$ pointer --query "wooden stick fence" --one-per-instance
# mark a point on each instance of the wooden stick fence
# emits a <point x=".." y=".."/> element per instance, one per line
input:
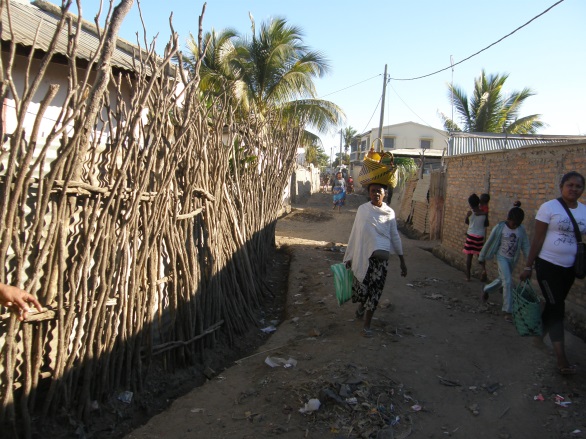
<point x="143" y="238"/>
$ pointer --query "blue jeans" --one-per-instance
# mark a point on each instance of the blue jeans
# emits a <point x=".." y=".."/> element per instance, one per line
<point x="505" y="266"/>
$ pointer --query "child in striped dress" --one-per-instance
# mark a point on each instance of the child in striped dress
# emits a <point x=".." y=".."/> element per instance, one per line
<point x="477" y="222"/>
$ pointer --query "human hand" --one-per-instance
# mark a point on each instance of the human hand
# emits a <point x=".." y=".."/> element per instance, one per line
<point x="348" y="265"/>
<point x="403" y="269"/>
<point x="17" y="300"/>
<point x="469" y="214"/>
<point x="525" y="274"/>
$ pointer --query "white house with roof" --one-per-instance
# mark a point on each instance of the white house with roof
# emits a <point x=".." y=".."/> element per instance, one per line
<point x="30" y="27"/>
<point x="407" y="139"/>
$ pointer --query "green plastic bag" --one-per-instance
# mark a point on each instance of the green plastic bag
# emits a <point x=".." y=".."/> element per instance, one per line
<point x="526" y="310"/>
<point x="343" y="278"/>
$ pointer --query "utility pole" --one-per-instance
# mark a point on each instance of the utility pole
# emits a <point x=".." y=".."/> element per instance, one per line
<point x="341" y="147"/>
<point x="382" y="109"/>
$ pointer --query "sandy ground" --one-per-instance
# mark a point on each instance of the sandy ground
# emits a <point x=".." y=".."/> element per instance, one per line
<point x="440" y="364"/>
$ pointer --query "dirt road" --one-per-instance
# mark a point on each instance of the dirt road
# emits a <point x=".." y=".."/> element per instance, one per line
<point x="440" y="364"/>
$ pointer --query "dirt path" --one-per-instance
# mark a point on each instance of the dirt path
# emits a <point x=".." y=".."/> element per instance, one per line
<point x="441" y="364"/>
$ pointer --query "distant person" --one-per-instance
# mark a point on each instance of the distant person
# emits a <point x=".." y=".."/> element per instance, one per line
<point x="506" y="242"/>
<point x="17" y="300"/>
<point x="552" y="253"/>
<point x="339" y="191"/>
<point x="374" y="237"/>
<point x="477" y="223"/>
<point x="350" y="185"/>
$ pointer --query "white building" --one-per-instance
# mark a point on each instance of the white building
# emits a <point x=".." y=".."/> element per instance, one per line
<point x="407" y="139"/>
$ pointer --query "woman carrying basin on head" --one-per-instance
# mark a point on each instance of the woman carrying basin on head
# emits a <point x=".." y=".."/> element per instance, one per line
<point x="374" y="237"/>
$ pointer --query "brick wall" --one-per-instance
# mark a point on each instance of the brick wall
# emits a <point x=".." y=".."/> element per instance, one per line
<point x="529" y="174"/>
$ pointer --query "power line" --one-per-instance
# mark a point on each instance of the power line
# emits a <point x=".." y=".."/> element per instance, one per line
<point x="350" y="86"/>
<point x="481" y="50"/>
<point x="375" y="108"/>
<point x="412" y="111"/>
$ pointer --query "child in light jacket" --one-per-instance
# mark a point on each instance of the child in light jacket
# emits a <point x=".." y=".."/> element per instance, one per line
<point x="506" y="241"/>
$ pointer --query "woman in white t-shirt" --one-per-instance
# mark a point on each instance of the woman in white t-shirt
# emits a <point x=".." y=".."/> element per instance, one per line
<point x="553" y="250"/>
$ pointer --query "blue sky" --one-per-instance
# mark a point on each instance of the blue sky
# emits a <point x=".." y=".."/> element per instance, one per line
<point x="413" y="38"/>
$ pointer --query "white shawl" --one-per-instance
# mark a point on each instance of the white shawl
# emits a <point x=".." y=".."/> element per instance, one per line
<point x="375" y="228"/>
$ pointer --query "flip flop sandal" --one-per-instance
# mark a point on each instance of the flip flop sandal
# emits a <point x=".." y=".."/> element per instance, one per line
<point x="366" y="333"/>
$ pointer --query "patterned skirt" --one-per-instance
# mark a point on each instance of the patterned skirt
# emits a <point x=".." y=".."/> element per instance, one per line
<point x="368" y="291"/>
<point x="339" y="196"/>
<point x="473" y="244"/>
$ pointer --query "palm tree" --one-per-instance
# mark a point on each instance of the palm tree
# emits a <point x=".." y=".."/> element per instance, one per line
<point x="348" y="134"/>
<point x="489" y="110"/>
<point x="270" y="73"/>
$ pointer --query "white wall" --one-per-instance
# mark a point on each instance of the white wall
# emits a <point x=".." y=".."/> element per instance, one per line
<point x="57" y="74"/>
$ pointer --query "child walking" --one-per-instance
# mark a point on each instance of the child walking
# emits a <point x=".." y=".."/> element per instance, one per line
<point x="506" y="241"/>
<point x="477" y="223"/>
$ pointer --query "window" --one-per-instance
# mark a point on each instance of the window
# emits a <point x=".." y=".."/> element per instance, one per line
<point x="363" y="145"/>
<point x="389" y="143"/>
<point x="425" y="143"/>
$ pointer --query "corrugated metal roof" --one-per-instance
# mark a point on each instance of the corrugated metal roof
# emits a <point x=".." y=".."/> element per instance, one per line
<point x="416" y="152"/>
<point x="470" y="143"/>
<point x="27" y="18"/>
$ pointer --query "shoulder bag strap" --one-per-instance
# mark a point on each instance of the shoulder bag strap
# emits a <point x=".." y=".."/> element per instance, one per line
<point x="574" y="223"/>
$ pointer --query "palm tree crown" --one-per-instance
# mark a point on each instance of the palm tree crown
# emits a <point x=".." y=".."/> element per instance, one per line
<point x="489" y="110"/>
<point x="271" y="71"/>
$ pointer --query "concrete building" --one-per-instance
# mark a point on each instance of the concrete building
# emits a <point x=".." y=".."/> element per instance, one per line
<point x="407" y="139"/>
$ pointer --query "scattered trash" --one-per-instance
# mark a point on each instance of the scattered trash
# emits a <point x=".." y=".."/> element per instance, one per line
<point x="327" y="394"/>
<point x="416" y="408"/>
<point x="560" y="400"/>
<point x="269" y="329"/>
<point x="576" y="431"/>
<point x="125" y="397"/>
<point x="310" y="406"/>
<point x="474" y="408"/>
<point x="493" y="387"/>
<point x="295" y="320"/>
<point x="345" y="391"/>
<point x="276" y="362"/>
<point x="95" y="405"/>
<point x="539" y="397"/>
<point x="410" y="285"/>
<point x="321" y="273"/>
<point x="352" y="401"/>
<point x="434" y="296"/>
<point x="447" y="382"/>
<point x="197" y="410"/>
<point x="209" y="373"/>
